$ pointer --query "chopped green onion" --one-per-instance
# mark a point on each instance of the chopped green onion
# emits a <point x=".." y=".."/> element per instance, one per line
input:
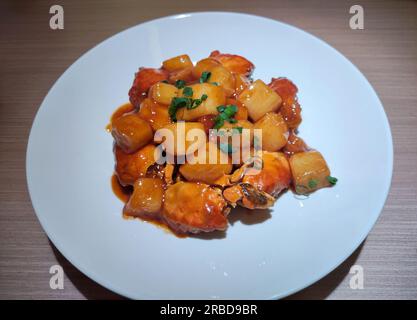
<point x="195" y="104"/>
<point x="332" y="180"/>
<point x="225" y="114"/>
<point x="205" y="76"/>
<point x="180" y="84"/>
<point x="312" y="183"/>
<point x="184" y="102"/>
<point x="218" y="123"/>
<point x="230" y="110"/>
<point x="177" y="103"/>
<point x="221" y="108"/>
<point x="187" y="91"/>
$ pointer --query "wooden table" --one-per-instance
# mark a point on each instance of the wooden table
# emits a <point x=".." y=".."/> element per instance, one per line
<point x="32" y="57"/>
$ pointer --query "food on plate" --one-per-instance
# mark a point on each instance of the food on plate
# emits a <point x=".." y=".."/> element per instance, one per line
<point x="146" y="199"/>
<point x="199" y="139"/>
<point x="194" y="207"/>
<point x="310" y="171"/>
<point x="131" y="132"/>
<point x="130" y="166"/>
<point x="274" y="131"/>
<point x="259" y="99"/>
<point x="207" y="172"/>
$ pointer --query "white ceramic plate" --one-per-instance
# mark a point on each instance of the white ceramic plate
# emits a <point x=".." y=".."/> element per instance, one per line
<point x="70" y="162"/>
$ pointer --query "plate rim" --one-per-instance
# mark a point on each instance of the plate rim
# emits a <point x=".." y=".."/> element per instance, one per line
<point x="120" y="291"/>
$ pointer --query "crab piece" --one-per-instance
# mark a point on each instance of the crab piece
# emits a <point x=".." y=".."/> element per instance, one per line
<point x="194" y="207"/>
<point x="256" y="187"/>
<point x="223" y="181"/>
<point x="234" y="63"/>
<point x="129" y="167"/>
<point x="275" y="175"/>
<point x="285" y="88"/>
<point x="144" y="79"/>
<point x="290" y="108"/>
<point x="291" y="112"/>
<point x="156" y="170"/>
<point x="248" y="196"/>
<point x="294" y="144"/>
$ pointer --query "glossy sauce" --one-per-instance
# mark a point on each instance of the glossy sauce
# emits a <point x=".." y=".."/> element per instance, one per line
<point x="294" y="145"/>
<point x="123" y="194"/>
<point x="198" y="196"/>
<point x="124" y="108"/>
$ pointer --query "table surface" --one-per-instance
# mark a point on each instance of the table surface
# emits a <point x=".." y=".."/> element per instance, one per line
<point x="32" y="57"/>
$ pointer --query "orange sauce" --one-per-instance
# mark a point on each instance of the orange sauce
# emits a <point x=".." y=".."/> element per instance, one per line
<point x="124" y="108"/>
<point x="159" y="223"/>
<point x="123" y="194"/>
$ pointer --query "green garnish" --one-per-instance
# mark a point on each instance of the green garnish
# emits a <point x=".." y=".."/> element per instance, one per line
<point x="332" y="180"/>
<point x="225" y="114"/>
<point x="180" y="84"/>
<point x="230" y="110"/>
<point x="215" y="83"/>
<point x="195" y="103"/>
<point x="205" y="76"/>
<point x="180" y="102"/>
<point x="177" y="103"/>
<point x="221" y="108"/>
<point x="184" y="102"/>
<point x="187" y="91"/>
<point x="218" y="124"/>
<point x="238" y="129"/>
<point x="312" y="183"/>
